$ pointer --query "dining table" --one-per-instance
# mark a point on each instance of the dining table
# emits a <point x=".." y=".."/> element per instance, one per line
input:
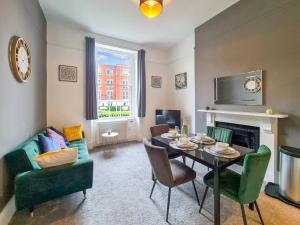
<point x="217" y="164"/>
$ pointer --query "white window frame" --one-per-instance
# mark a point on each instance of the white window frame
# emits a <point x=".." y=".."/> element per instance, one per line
<point x="133" y="80"/>
<point x="111" y="95"/>
<point x="127" y="95"/>
<point x="126" y="74"/>
<point x="109" y="84"/>
<point x="108" y="74"/>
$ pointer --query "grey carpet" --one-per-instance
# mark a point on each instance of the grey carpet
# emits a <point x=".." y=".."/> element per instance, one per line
<point x="120" y="196"/>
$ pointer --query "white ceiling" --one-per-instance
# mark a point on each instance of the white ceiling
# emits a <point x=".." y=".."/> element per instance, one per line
<point x="122" y="19"/>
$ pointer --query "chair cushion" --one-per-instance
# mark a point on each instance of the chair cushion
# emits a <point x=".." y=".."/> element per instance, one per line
<point x="181" y="173"/>
<point x="229" y="183"/>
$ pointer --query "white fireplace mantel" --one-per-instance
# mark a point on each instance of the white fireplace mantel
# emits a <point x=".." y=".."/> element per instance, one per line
<point x="268" y="125"/>
<point x="255" y="114"/>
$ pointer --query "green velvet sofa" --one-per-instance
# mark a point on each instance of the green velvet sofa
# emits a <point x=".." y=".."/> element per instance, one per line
<point x="34" y="185"/>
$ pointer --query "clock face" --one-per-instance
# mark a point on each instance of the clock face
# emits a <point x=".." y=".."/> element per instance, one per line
<point x="20" y="59"/>
<point x="250" y="84"/>
<point x="23" y="60"/>
<point x="253" y="84"/>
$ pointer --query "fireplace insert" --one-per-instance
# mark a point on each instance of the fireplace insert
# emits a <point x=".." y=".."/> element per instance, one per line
<point x="246" y="136"/>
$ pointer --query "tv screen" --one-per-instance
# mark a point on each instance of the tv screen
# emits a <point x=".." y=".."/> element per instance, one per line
<point x="170" y="117"/>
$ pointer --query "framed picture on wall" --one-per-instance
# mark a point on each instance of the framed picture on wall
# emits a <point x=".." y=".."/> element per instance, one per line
<point x="156" y="81"/>
<point x="67" y="73"/>
<point x="181" y="81"/>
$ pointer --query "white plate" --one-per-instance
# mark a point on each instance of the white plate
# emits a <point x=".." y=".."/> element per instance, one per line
<point x="228" y="151"/>
<point x="168" y="136"/>
<point x="211" y="141"/>
<point x="175" y="144"/>
<point x="233" y="153"/>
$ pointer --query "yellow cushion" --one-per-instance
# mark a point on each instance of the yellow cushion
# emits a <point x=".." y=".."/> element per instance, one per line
<point x="73" y="133"/>
<point x="57" y="158"/>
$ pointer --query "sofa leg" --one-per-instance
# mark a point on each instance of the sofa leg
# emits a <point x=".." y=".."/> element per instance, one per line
<point x="84" y="193"/>
<point x="31" y="212"/>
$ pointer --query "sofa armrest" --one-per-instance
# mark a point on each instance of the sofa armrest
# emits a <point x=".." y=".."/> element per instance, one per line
<point x="37" y="186"/>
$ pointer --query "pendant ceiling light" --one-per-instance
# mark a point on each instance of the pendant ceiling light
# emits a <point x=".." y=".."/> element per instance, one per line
<point x="151" y="8"/>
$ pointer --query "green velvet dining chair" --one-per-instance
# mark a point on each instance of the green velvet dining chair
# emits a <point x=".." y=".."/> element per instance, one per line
<point x="243" y="188"/>
<point x="219" y="134"/>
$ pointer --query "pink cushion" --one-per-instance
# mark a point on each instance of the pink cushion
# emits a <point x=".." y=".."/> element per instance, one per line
<point x="59" y="138"/>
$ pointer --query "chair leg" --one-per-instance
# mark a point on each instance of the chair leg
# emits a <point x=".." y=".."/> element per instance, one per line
<point x="258" y="211"/>
<point x="31" y="212"/>
<point x="196" y="192"/>
<point x="243" y="214"/>
<point x="169" y="196"/>
<point x="84" y="193"/>
<point x="251" y="206"/>
<point x="154" y="183"/>
<point x="203" y="199"/>
<point x="153" y="177"/>
<point x="193" y="164"/>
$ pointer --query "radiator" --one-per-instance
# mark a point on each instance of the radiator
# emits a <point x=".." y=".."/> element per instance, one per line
<point x="127" y="130"/>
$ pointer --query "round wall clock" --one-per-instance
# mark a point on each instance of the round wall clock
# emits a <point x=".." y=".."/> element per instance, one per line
<point x="253" y="84"/>
<point x="20" y="59"/>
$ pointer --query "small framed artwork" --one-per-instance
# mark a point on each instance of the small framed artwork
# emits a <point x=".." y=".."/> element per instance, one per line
<point x="181" y="81"/>
<point x="67" y="73"/>
<point x="156" y="81"/>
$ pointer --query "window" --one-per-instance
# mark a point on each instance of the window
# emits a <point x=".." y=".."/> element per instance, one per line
<point x="109" y="95"/>
<point x="118" y="99"/>
<point x="124" y="95"/>
<point x="124" y="84"/>
<point x="99" y="83"/>
<point x="109" y="83"/>
<point x="109" y="72"/>
<point x="125" y="72"/>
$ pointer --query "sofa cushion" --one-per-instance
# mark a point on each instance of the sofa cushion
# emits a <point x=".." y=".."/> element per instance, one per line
<point x="57" y="158"/>
<point x="61" y="134"/>
<point x="73" y="133"/>
<point x="31" y="148"/>
<point x="82" y="148"/>
<point x="21" y="159"/>
<point x="49" y="143"/>
<point x="51" y="133"/>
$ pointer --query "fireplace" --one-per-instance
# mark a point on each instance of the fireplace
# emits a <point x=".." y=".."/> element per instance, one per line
<point x="243" y="135"/>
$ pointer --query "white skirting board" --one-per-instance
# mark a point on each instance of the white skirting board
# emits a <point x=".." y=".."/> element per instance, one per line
<point x="8" y="211"/>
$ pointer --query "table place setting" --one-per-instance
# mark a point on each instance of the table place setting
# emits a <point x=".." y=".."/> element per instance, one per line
<point x="184" y="144"/>
<point x="172" y="134"/>
<point x="202" y="138"/>
<point x="222" y="150"/>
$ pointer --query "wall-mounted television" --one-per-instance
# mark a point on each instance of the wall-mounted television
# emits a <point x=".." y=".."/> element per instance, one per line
<point x="240" y="89"/>
<point x="170" y="117"/>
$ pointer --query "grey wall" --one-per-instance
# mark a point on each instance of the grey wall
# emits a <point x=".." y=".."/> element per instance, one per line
<point x="23" y="106"/>
<point x="250" y="35"/>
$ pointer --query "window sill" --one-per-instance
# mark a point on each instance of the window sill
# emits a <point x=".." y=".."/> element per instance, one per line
<point x="109" y="120"/>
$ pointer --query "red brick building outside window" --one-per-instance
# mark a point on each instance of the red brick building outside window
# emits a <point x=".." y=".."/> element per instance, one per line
<point x="114" y="90"/>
